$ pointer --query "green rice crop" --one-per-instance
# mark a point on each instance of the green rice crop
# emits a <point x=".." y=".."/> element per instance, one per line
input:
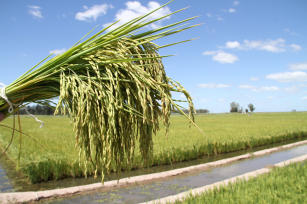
<point x="282" y="185"/>
<point x="53" y="155"/>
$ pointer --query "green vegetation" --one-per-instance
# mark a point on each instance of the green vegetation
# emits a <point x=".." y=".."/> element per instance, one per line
<point x="54" y="155"/>
<point x="114" y="87"/>
<point x="282" y="185"/>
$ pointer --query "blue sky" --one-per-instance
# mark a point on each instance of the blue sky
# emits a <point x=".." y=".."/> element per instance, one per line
<point x="247" y="51"/>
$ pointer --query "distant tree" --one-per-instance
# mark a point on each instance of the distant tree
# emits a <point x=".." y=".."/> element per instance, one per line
<point x="246" y="110"/>
<point x="251" y="107"/>
<point x="234" y="107"/>
<point x="30" y="109"/>
<point x="202" y="111"/>
<point x="186" y="111"/>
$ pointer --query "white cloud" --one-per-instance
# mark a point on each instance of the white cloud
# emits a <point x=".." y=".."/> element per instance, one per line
<point x="278" y="45"/>
<point x="222" y="57"/>
<point x="268" y="45"/>
<point x="254" y="78"/>
<point x="231" y="10"/>
<point x="236" y="3"/>
<point x="57" y="51"/>
<point x="35" y="11"/>
<point x="135" y="9"/>
<point x="225" y="58"/>
<point x="232" y="44"/>
<point x="299" y="66"/>
<point x="268" y="88"/>
<point x="304" y="98"/>
<point x="213" y="85"/>
<point x="93" y="12"/>
<point x="288" y="76"/>
<point x="259" y="89"/>
<point x="295" y="47"/>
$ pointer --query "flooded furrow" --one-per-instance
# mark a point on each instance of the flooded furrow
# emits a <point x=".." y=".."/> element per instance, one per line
<point x="177" y="184"/>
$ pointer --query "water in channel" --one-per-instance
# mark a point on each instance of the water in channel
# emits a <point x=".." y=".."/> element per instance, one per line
<point x="12" y="180"/>
<point x="177" y="184"/>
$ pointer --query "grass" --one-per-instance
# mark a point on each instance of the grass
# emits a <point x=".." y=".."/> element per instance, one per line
<point x="282" y="185"/>
<point x="54" y="155"/>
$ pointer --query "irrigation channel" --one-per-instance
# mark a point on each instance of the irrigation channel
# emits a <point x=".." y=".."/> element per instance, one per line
<point x="158" y="188"/>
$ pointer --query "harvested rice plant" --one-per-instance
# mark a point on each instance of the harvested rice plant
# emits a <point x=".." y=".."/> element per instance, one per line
<point x="113" y="86"/>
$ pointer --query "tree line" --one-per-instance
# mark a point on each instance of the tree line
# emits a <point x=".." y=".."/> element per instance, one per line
<point x="37" y="110"/>
<point x="197" y="111"/>
<point x="47" y="110"/>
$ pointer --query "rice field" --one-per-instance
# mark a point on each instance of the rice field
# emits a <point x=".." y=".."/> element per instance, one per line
<point x="49" y="153"/>
<point x="282" y="185"/>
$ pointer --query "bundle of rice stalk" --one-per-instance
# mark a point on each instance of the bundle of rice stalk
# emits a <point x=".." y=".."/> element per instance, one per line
<point x="113" y="86"/>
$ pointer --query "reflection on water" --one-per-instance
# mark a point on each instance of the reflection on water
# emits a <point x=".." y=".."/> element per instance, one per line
<point x="5" y="184"/>
<point x="10" y="179"/>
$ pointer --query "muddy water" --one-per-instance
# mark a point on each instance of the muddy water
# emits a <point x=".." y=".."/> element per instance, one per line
<point x="177" y="184"/>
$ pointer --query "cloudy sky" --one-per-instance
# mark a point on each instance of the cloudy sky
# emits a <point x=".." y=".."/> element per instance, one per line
<point x="246" y="51"/>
